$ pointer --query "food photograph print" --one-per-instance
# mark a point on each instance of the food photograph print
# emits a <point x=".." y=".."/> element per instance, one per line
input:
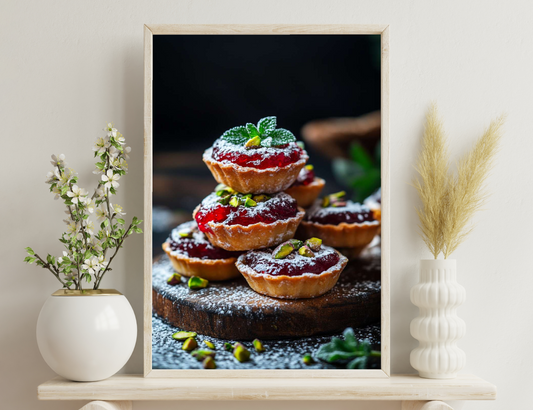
<point x="266" y="202"/>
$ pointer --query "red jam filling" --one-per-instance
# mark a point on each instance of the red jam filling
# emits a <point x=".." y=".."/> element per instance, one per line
<point x="260" y="158"/>
<point x="196" y="246"/>
<point x="305" y="177"/>
<point x="350" y="213"/>
<point x="279" y="207"/>
<point x="264" y="263"/>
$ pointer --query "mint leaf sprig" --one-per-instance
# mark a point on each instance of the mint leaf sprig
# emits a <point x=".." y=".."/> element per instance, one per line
<point x="350" y="352"/>
<point x="264" y="134"/>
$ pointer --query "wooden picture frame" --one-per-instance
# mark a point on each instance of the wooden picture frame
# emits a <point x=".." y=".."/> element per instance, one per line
<point x="152" y="30"/>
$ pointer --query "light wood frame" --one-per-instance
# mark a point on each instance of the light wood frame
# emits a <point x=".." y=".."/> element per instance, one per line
<point x="274" y="29"/>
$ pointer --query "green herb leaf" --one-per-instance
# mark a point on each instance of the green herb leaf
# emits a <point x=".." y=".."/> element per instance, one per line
<point x="266" y="125"/>
<point x="281" y="136"/>
<point x="252" y="130"/>
<point x="351" y="352"/>
<point x="236" y="135"/>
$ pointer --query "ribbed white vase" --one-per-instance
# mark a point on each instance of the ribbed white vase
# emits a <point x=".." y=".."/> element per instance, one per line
<point x="437" y="327"/>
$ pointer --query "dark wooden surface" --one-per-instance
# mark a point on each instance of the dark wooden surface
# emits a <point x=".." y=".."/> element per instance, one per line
<point x="233" y="311"/>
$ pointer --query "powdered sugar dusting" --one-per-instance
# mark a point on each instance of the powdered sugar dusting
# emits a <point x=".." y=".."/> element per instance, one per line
<point x="353" y="212"/>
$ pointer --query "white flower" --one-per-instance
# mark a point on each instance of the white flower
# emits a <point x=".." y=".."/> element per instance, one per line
<point x="58" y="161"/>
<point x="90" y="205"/>
<point x="91" y="265"/>
<point x="111" y="132"/>
<point x="126" y="151"/>
<point x="72" y="227"/>
<point x="101" y="145"/>
<point x="52" y="176"/>
<point x="101" y="214"/>
<point x="120" y="139"/>
<point x="95" y="244"/>
<point x="77" y="194"/>
<point x="111" y="179"/>
<point x="89" y="228"/>
<point x="57" y="191"/>
<point x="66" y="176"/>
<point x="113" y="152"/>
<point x="64" y="257"/>
<point x="101" y="260"/>
<point x="119" y="163"/>
<point x="100" y="193"/>
<point x="117" y="209"/>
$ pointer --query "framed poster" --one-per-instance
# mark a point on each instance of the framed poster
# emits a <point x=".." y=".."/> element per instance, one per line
<point x="266" y="201"/>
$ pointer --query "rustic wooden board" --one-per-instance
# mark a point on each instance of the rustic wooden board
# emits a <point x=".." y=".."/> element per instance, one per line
<point x="232" y="310"/>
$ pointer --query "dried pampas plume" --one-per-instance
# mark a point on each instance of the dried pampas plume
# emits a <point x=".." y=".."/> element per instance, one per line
<point x="449" y="201"/>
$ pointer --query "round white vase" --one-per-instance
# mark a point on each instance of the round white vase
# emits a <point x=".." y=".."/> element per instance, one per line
<point x="86" y="335"/>
<point x="437" y="327"/>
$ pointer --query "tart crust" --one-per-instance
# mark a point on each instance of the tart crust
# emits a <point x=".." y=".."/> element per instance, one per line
<point x="252" y="180"/>
<point x="259" y="235"/>
<point x="210" y="269"/>
<point x="343" y="235"/>
<point x="305" y="195"/>
<point x="292" y="287"/>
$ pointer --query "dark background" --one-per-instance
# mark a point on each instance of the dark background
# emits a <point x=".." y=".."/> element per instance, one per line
<point x="206" y="84"/>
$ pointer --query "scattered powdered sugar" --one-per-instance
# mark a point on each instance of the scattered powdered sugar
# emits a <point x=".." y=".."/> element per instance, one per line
<point x="353" y="212"/>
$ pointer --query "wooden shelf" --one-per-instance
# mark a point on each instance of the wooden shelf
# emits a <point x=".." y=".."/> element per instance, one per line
<point x="397" y="387"/>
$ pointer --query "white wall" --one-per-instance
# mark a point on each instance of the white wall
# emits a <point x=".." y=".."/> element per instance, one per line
<point x="67" y="67"/>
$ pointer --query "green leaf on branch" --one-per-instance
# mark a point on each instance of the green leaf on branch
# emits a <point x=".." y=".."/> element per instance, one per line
<point x="121" y="221"/>
<point x="30" y="251"/>
<point x="112" y="190"/>
<point x="100" y="165"/>
<point x="138" y="230"/>
<point x="29" y="259"/>
<point x="88" y="278"/>
<point x="136" y="221"/>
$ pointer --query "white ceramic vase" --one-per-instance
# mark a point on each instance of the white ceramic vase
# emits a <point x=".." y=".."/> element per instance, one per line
<point x="87" y="335"/>
<point x="437" y="327"/>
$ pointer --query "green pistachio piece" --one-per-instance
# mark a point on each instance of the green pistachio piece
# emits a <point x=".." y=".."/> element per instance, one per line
<point x="234" y="201"/>
<point x="258" y="346"/>
<point x="300" y="144"/>
<point x="174" y="279"/>
<point x="185" y="234"/>
<point x="325" y="202"/>
<point x="260" y="198"/>
<point x="296" y="243"/>
<point x="183" y="335"/>
<point x="209" y="344"/>
<point x="305" y="251"/>
<point x="283" y="250"/>
<point x="247" y="196"/>
<point x="224" y="200"/>
<point x="308" y="360"/>
<point x="202" y="354"/>
<point x="190" y="344"/>
<point x="241" y="353"/>
<point x="309" y="167"/>
<point x="340" y="194"/>
<point x="197" y="283"/>
<point x="250" y="202"/>
<point x="338" y="204"/>
<point x="221" y="187"/>
<point x="253" y="142"/>
<point x="313" y="244"/>
<point x="228" y="347"/>
<point x="209" y="363"/>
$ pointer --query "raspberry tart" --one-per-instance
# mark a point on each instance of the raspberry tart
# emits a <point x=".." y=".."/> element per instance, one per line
<point x="340" y="223"/>
<point x="192" y="254"/>
<point x="238" y="222"/>
<point x="258" y="159"/>
<point x="306" y="188"/>
<point x="293" y="270"/>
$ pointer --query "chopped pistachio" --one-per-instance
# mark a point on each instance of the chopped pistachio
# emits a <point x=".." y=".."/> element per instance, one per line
<point x="209" y="363"/>
<point x="247" y="196"/>
<point x="309" y="167"/>
<point x="196" y="282"/>
<point x="260" y="198"/>
<point x="325" y="202"/>
<point x="185" y="234"/>
<point x="338" y="204"/>
<point x="224" y="200"/>
<point x="174" y="279"/>
<point x="241" y="353"/>
<point x="340" y="194"/>
<point x="308" y="360"/>
<point x="258" y="346"/>
<point x="296" y="243"/>
<point x="221" y="187"/>
<point x="202" y="354"/>
<point x="314" y="244"/>
<point x="183" y="335"/>
<point x="234" y="201"/>
<point x="209" y="344"/>
<point x="305" y="251"/>
<point x="253" y="142"/>
<point x="250" y="202"/>
<point x="283" y="250"/>
<point x="228" y="347"/>
<point x="190" y="344"/>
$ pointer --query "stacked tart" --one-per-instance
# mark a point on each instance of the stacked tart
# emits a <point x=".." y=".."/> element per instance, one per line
<point x="248" y="224"/>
